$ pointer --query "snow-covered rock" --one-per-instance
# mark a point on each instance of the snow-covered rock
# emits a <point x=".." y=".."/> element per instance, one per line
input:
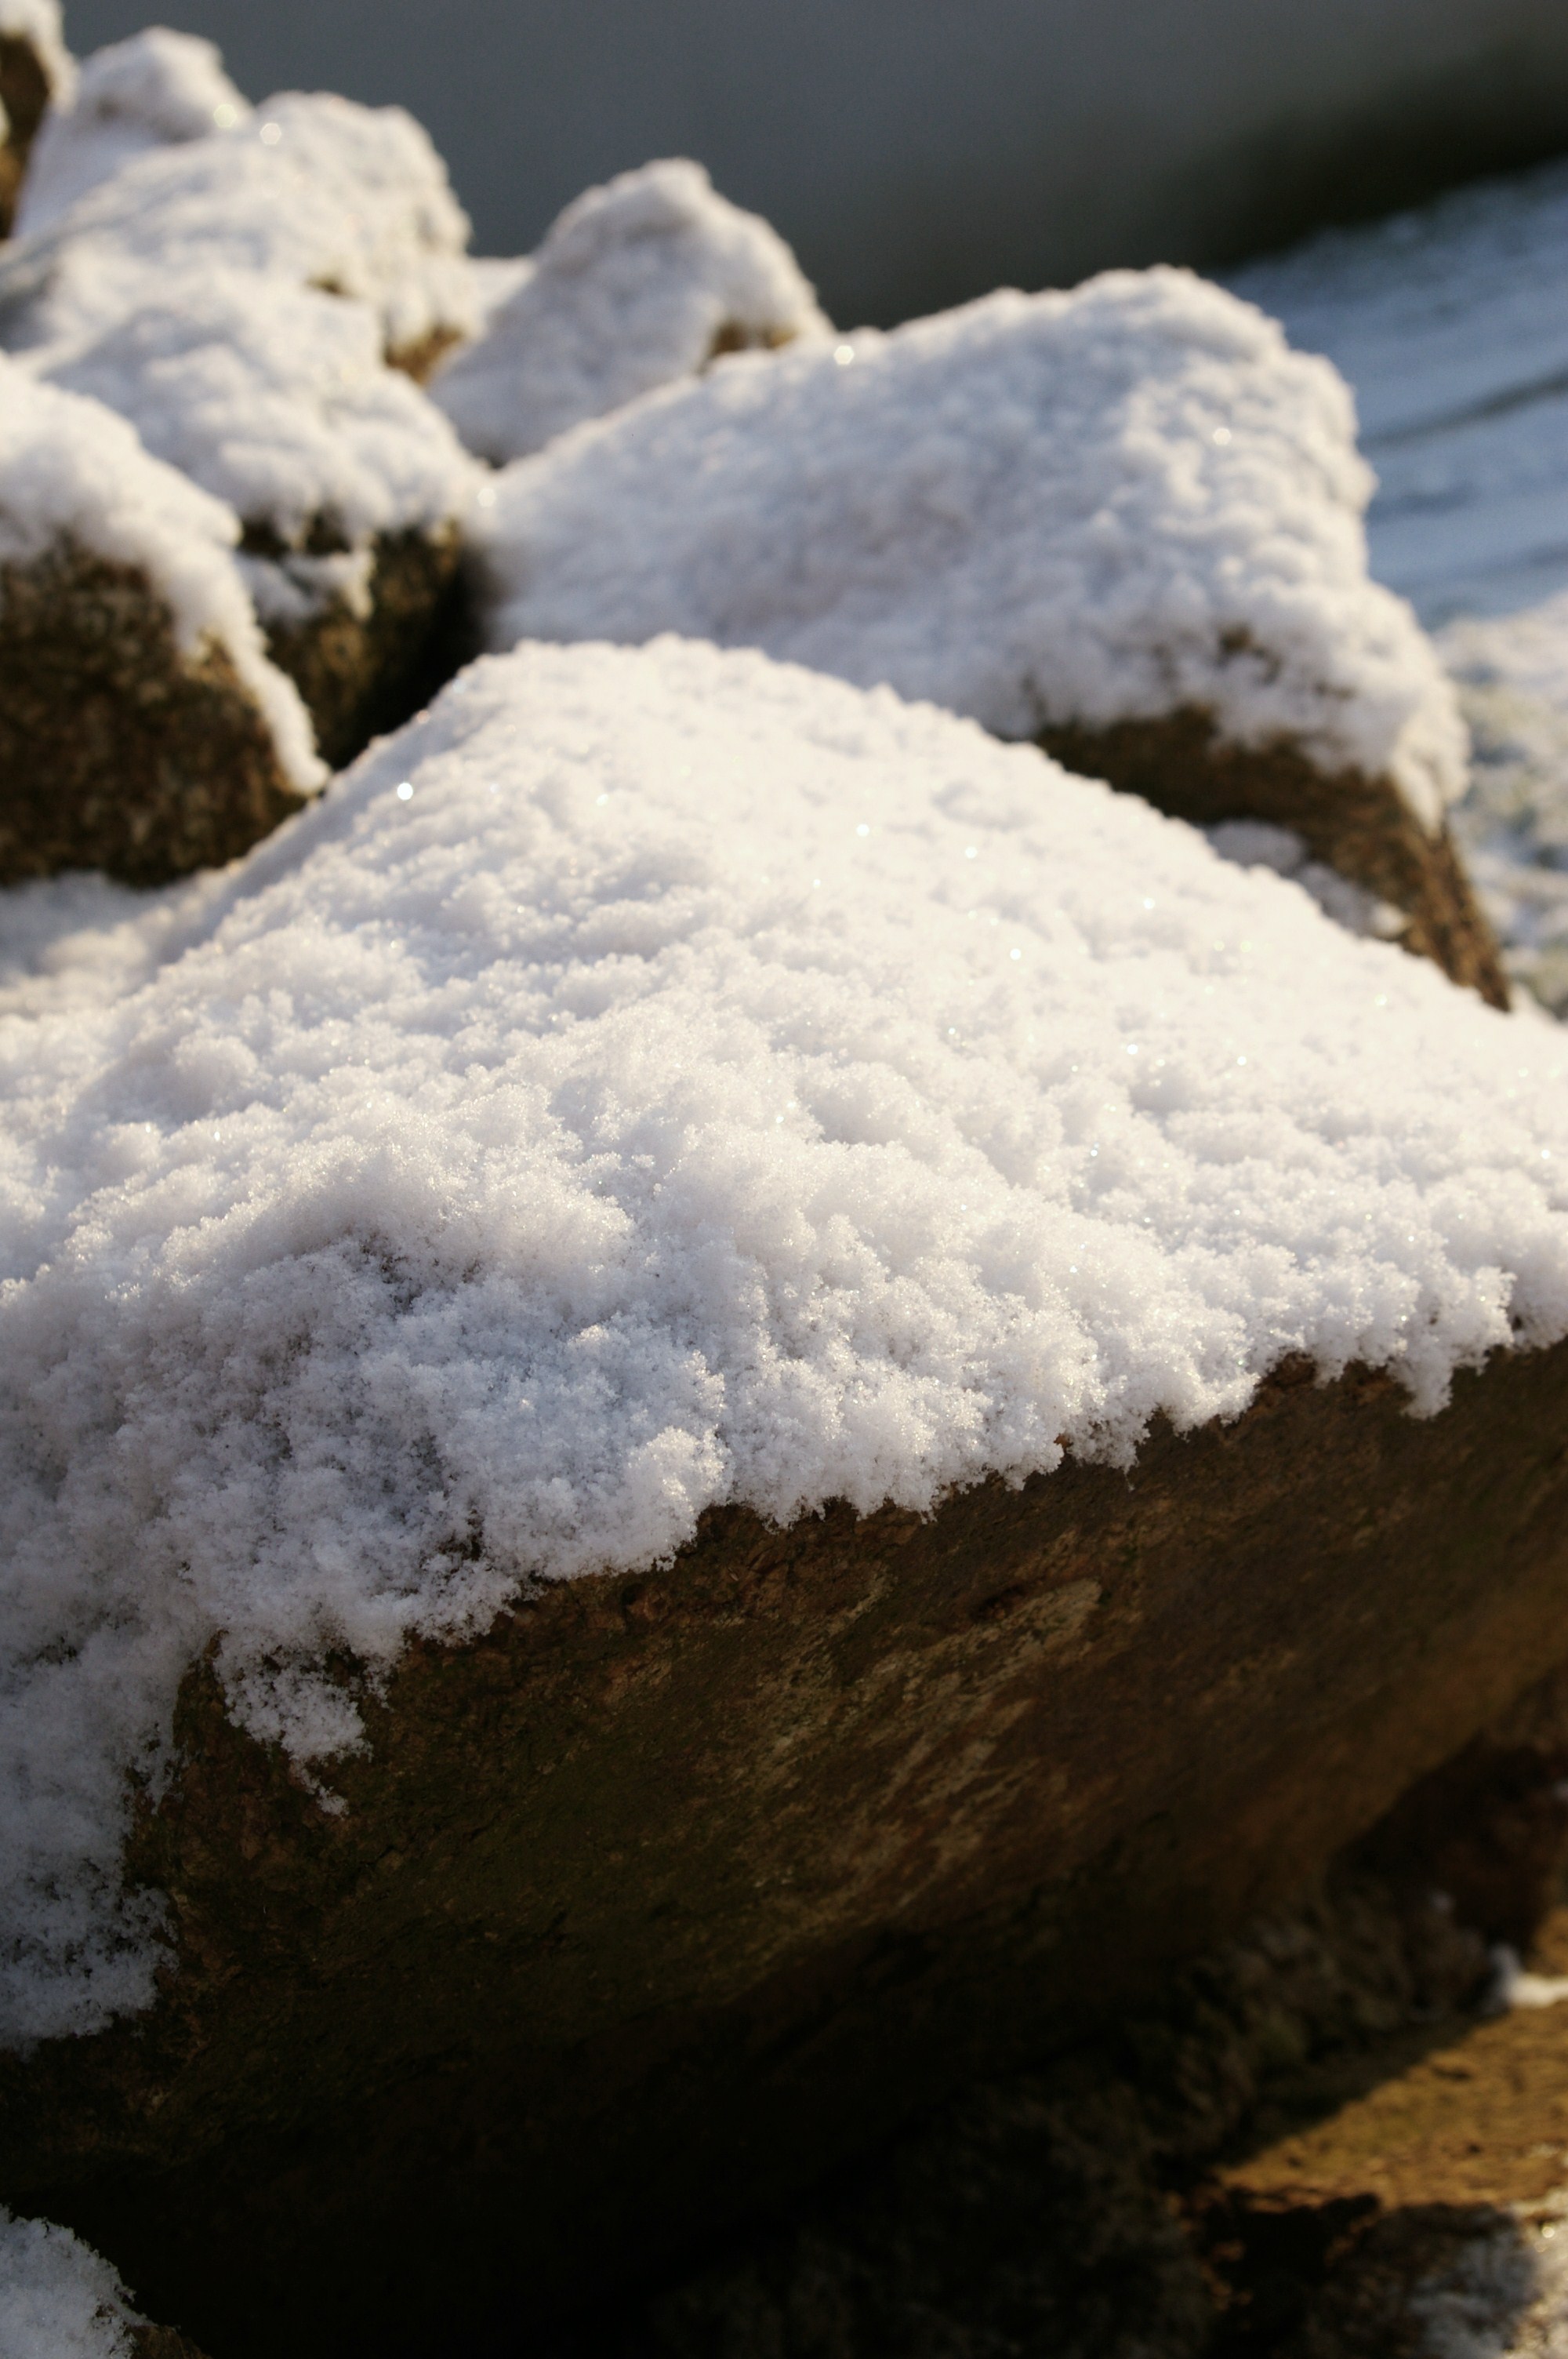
<point x="144" y="728"/>
<point x="660" y="1079"/>
<point x="639" y="283"/>
<point x="1083" y="508"/>
<point x="233" y="294"/>
<point x="156" y="90"/>
<point x="349" y="485"/>
<point x="312" y="189"/>
<point x="1125" y="520"/>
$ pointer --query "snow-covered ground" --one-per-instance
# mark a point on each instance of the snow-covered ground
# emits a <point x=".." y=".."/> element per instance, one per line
<point x="1452" y="327"/>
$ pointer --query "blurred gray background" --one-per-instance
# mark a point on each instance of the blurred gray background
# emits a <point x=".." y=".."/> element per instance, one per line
<point x="918" y="151"/>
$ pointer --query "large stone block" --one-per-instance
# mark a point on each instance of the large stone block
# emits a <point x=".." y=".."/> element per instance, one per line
<point x="666" y="1891"/>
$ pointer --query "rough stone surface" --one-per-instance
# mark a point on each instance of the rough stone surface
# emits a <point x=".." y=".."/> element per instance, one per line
<point x="364" y="667"/>
<point x="24" y="94"/>
<point x="1361" y="827"/>
<point x="1096" y="2205"/>
<point x="647" y="1905"/>
<point x="116" y="751"/>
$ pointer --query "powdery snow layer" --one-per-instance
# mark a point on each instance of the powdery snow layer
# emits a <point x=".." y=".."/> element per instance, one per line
<point x="1092" y="507"/>
<point x="72" y="472"/>
<point x="638" y="283"/>
<point x="1452" y="325"/>
<point x="315" y="190"/>
<point x="275" y="398"/>
<point x="659" y="1078"/>
<point x="156" y="90"/>
<point x="58" y="2299"/>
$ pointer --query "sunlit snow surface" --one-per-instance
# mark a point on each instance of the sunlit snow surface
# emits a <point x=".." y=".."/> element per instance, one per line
<point x="659" y="1078"/>
<point x="1452" y="327"/>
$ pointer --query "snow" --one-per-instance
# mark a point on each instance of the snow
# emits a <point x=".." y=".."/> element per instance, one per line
<point x="638" y="284"/>
<point x="1086" y="508"/>
<point x="1452" y="325"/>
<point x="39" y="23"/>
<point x="656" y="1079"/>
<point x="312" y="189"/>
<point x="70" y="472"/>
<point x="154" y="91"/>
<point x="58" y="2299"/>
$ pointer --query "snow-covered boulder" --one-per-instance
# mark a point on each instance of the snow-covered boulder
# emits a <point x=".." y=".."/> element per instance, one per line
<point x="577" y="1331"/>
<point x="232" y="293"/>
<point x="143" y="729"/>
<point x="312" y="189"/>
<point x="347" y="484"/>
<point x="1126" y="521"/>
<point x="638" y="284"/>
<point x="34" y="68"/>
<point x="156" y="90"/>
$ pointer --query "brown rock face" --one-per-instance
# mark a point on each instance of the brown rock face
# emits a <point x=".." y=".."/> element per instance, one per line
<point x="362" y="673"/>
<point x="24" y="94"/>
<point x="116" y="751"/>
<point x="1362" y="827"/>
<point x="666" y="1891"/>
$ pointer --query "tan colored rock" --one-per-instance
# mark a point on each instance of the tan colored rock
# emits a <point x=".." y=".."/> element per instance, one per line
<point x="667" y="1891"/>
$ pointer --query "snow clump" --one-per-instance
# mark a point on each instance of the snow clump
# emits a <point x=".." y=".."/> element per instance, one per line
<point x="638" y="283"/>
<point x="1087" y="508"/>
<point x="155" y="90"/>
<point x="658" y="1078"/>
<point x="72" y="475"/>
<point x="57" y="2299"/>
<point x="312" y="189"/>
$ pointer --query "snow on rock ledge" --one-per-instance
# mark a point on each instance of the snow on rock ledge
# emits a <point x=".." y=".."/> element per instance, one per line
<point x="658" y="1079"/>
<point x="157" y="90"/>
<point x="638" y="283"/>
<point x="142" y="727"/>
<point x="1127" y="518"/>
